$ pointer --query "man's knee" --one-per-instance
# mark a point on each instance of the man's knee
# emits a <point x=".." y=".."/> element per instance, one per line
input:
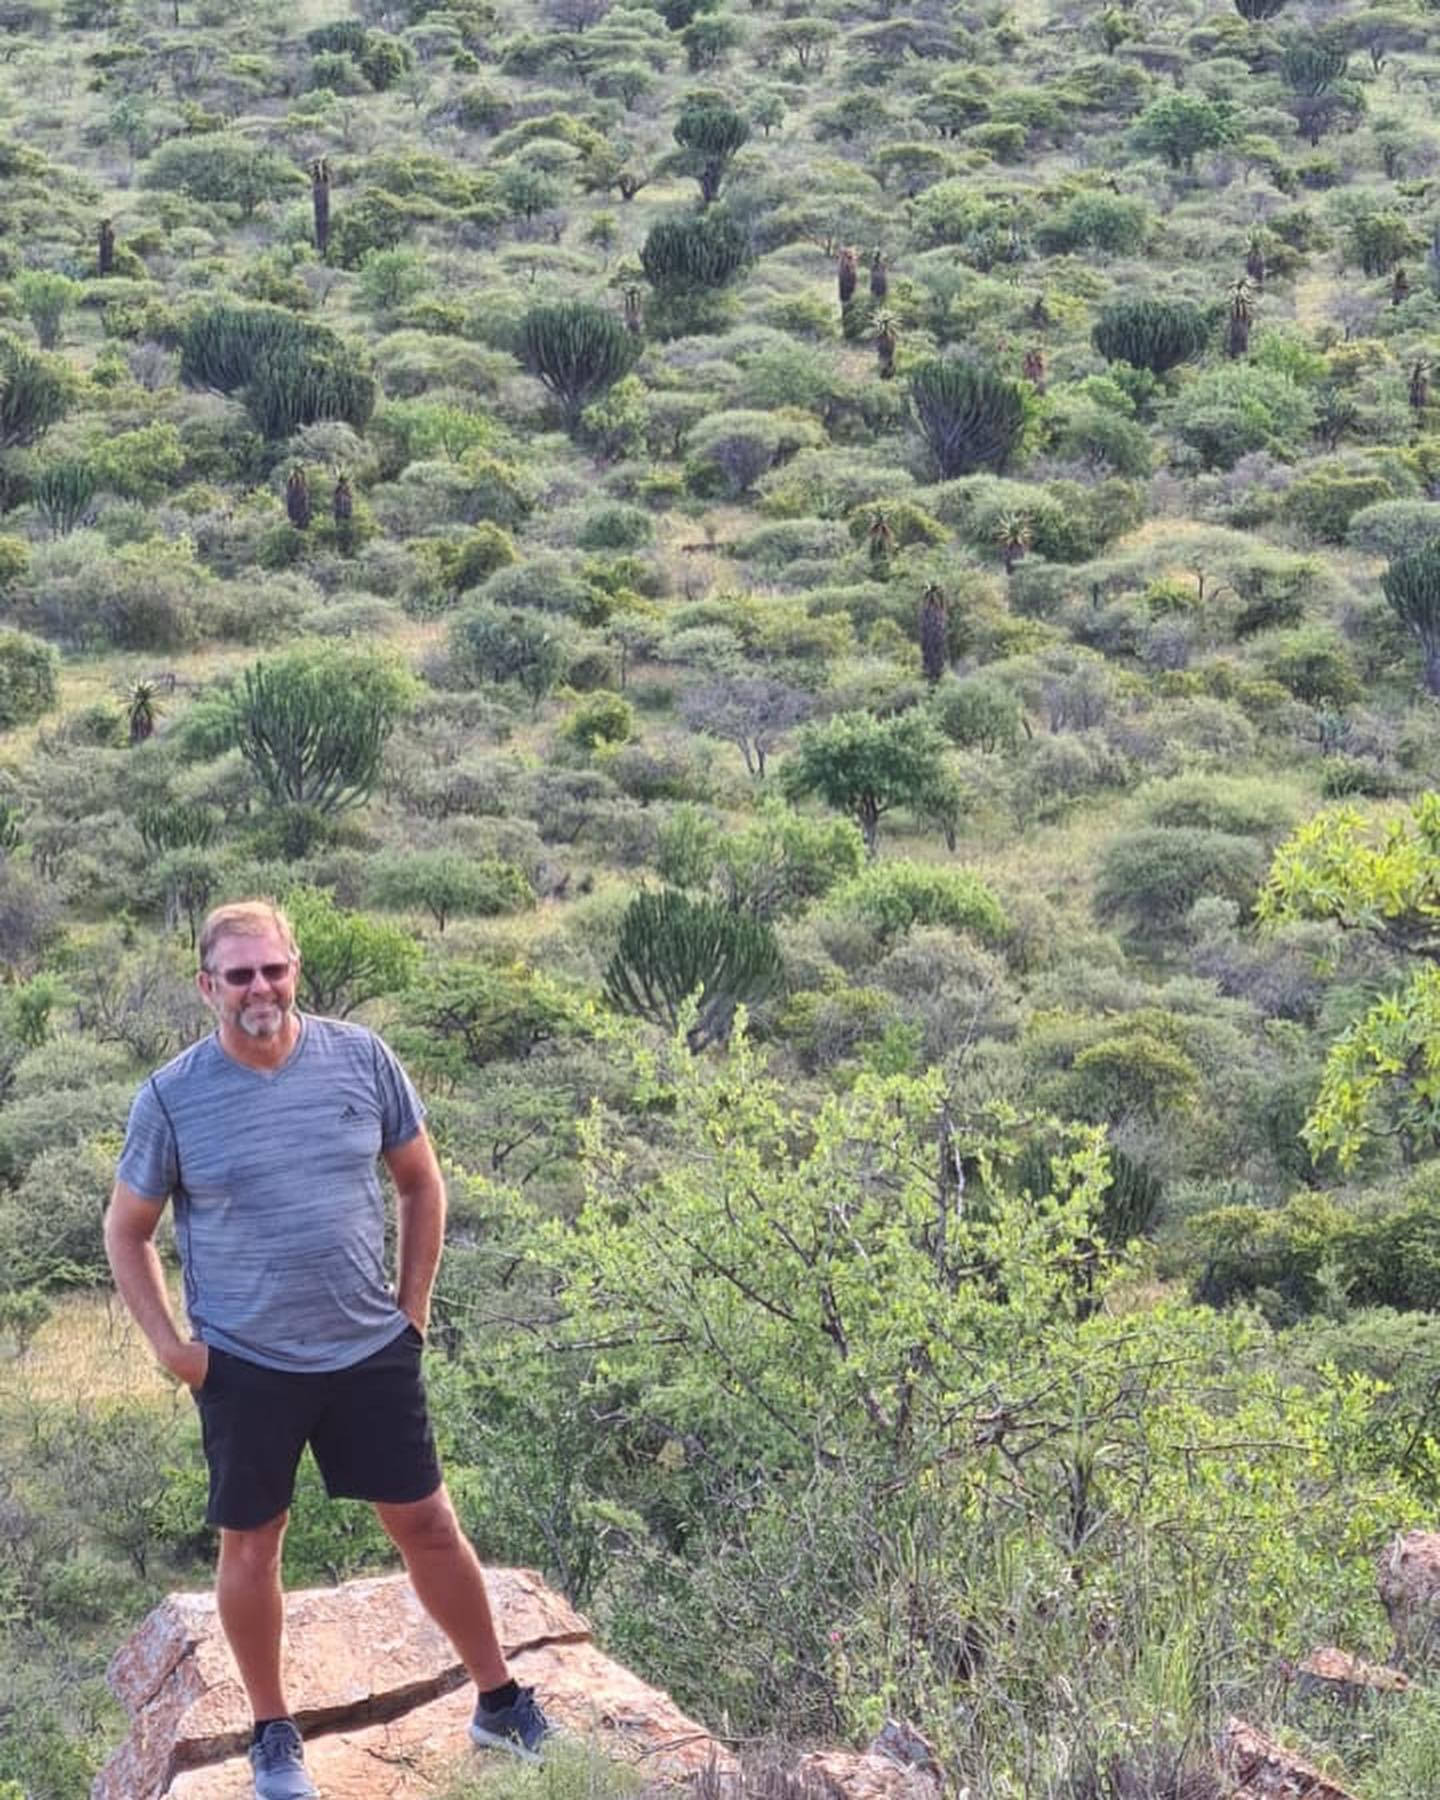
<point x="420" y="1526"/>
<point x="254" y="1551"/>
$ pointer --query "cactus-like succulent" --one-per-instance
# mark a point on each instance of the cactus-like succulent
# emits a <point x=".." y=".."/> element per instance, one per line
<point x="578" y="351"/>
<point x="320" y="202"/>
<point x="105" y="260"/>
<point x="1150" y="334"/>
<point x="934" y="633"/>
<point x="887" y="339"/>
<point x="847" y="271"/>
<point x="879" y="277"/>
<point x="297" y="499"/>
<point x="970" y="415"/>
<point x="1240" y="316"/>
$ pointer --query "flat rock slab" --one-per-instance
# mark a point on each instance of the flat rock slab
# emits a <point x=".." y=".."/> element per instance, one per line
<point x="356" y="1656"/>
<point x="1266" y="1770"/>
<point x="584" y="1693"/>
<point x="867" y="1777"/>
<point x="1346" y="1677"/>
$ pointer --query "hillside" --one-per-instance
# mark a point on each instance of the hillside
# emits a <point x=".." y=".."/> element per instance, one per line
<point x="914" y="527"/>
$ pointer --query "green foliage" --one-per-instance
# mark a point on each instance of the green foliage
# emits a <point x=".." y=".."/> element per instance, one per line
<point x="448" y="885"/>
<point x="29" y="684"/>
<point x="1113" y="223"/>
<point x="489" y="643"/>
<point x="221" y="169"/>
<point x="312" y="724"/>
<point x="673" y="950"/>
<point x="35" y="392"/>
<point x="1150" y="878"/>
<point x="1233" y="409"/>
<point x="600" y="719"/>
<point x="61" y="493"/>
<point x="1314" y="665"/>
<point x="45" y="297"/>
<point x="978" y="713"/>
<point x="892" y="897"/>
<point x="1393" y="528"/>
<point x="709" y="131"/>
<point x="970" y="416"/>
<point x="1325" y="499"/>
<point x="291" y="371"/>
<point x="578" y="351"/>
<point x="865" y="767"/>
<point x="683" y="255"/>
<point x="1411" y="585"/>
<point x="1151" y="334"/>
<point x="1182" y="126"/>
<point x="347" y="958"/>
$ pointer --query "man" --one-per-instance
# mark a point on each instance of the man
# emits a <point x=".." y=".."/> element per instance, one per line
<point x="265" y="1136"/>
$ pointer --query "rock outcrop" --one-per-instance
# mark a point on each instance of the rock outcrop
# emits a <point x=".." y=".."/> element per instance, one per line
<point x="1409" y="1577"/>
<point x="1266" y="1770"/>
<point x="378" y="1693"/>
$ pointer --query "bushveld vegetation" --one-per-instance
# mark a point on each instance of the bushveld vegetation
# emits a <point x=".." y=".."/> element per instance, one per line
<point x="830" y="615"/>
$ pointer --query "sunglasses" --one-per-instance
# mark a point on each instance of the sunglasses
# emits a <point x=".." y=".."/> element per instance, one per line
<point x="242" y="977"/>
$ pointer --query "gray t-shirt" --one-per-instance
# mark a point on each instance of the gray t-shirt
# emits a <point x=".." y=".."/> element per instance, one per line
<point x="279" y="1217"/>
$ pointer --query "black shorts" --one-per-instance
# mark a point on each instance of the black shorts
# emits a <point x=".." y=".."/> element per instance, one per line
<point x="366" y="1425"/>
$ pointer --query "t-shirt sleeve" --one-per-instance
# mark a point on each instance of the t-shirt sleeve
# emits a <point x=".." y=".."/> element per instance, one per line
<point x="148" y="1162"/>
<point x="402" y="1112"/>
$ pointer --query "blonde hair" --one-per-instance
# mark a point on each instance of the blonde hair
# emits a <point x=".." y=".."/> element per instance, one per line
<point x="243" y="918"/>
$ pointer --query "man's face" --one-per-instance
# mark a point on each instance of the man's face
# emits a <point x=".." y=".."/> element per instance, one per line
<point x="249" y="983"/>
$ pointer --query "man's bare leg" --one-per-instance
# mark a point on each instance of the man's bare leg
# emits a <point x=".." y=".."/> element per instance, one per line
<point x="252" y="1611"/>
<point x="445" y="1573"/>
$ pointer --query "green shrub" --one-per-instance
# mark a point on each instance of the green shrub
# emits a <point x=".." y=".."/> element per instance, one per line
<point x="1314" y="665"/>
<point x="220" y="168"/>
<point x="616" y="528"/>
<point x="600" y="718"/>
<point x="1243" y="806"/>
<point x="449" y="885"/>
<point x="977" y="713"/>
<point x="1149" y="879"/>
<point x="1393" y="528"/>
<point x="1113" y="223"/>
<point x="890" y="897"/>
<point x="28" y="678"/>
<point x="1327" y="497"/>
<point x="1228" y="411"/>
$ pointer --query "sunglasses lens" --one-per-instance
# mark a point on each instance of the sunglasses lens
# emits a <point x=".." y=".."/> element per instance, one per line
<point x="241" y="978"/>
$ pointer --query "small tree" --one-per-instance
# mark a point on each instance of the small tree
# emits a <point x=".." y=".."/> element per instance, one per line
<point x="753" y="712"/>
<point x="490" y="643"/>
<point x="709" y="132"/>
<point x="673" y="949"/>
<point x="865" y="767"/>
<point x="971" y="416"/>
<point x="934" y="633"/>
<point x="1182" y="125"/>
<point x="29" y="685"/>
<point x="45" y="296"/>
<point x="312" y="724"/>
<point x="578" y="351"/>
<point x="446" y="884"/>
<point x="347" y="957"/>
<point x="1411" y="585"/>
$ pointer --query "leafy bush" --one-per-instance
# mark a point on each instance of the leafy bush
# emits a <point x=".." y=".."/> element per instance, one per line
<point x="28" y="678"/>
<point x="1228" y="411"/>
<point x="448" y="885"/>
<point x="221" y="169"/>
<point x="600" y="718"/>
<point x="1393" y="528"/>
<point x="1327" y="497"/>
<point x="1243" y="806"/>
<point x="1150" y="878"/>
<point x="978" y="713"/>
<point x="891" y="897"/>
<point x="1314" y="665"/>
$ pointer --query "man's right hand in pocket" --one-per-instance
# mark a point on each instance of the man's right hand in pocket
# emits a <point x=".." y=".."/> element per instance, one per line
<point x="190" y="1364"/>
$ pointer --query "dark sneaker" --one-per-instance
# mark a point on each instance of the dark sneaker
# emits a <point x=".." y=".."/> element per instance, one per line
<point x="279" y="1764"/>
<point x="520" y="1728"/>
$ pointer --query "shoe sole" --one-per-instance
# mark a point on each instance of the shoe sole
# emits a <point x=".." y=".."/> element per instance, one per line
<point x="491" y="1740"/>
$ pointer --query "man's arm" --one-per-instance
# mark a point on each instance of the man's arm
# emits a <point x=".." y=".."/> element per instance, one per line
<point x="420" y="1214"/>
<point x="130" y="1225"/>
